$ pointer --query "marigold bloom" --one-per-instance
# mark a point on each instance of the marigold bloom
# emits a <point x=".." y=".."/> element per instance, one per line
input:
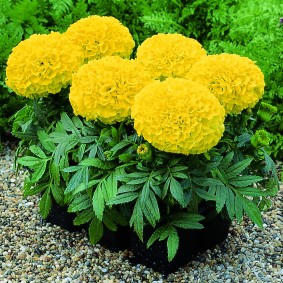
<point x="178" y="116"/>
<point x="101" y="36"/>
<point x="104" y="89"/>
<point x="41" y="65"/>
<point x="236" y="81"/>
<point x="169" y="55"/>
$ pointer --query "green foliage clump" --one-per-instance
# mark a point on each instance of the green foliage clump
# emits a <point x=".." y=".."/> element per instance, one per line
<point x="255" y="31"/>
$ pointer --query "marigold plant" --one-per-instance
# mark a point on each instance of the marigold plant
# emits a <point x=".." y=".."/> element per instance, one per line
<point x="104" y="89"/>
<point x="41" y="65"/>
<point x="169" y="55"/>
<point x="178" y="116"/>
<point x="99" y="36"/>
<point x="236" y="81"/>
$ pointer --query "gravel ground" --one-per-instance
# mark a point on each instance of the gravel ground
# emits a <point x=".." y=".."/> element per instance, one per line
<point x="31" y="251"/>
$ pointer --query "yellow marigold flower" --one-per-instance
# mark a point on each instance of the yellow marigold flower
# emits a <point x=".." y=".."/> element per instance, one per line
<point x="41" y="65"/>
<point x="104" y="89"/>
<point x="236" y="81"/>
<point x="101" y="36"/>
<point x="169" y="55"/>
<point x="178" y="116"/>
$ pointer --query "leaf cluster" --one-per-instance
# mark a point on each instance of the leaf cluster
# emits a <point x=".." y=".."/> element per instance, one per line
<point x="96" y="171"/>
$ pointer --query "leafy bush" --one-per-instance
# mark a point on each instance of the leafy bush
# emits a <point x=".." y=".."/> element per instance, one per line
<point x="156" y="164"/>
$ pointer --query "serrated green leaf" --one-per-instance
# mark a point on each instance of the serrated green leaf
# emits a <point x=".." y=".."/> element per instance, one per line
<point x="165" y="189"/>
<point x="178" y="169"/>
<point x="136" y="220"/>
<point x="110" y="187"/>
<point x="177" y="191"/>
<point x="84" y="216"/>
<point x="119" y="146"/>
<point x="237" y="168"/>
<point x="29" y="161"/>
<point x="150" y="209"/>
<point x="38" y="173"/>
<point x="123" y="198"/>
<point x="252" y="211"/>
<point x="80" y="203"/>
<point x="57" y="193"/>
<point x="109" y="222"/>
<point x="96" y="162"/>
<point x="179" y="175"/>
<point x="145" y="193"/>
<point x="81" y="151"/>
<point x="29" y="190"/>
<point x="55" y="174"/>
<point x="68" y="124"/>
<point x="187" y="220"/>
<point x="244" y="180"/>
<point x="98" y="202"/>
<point x="206" y="182"/>
<point x="45" y="141"/>
<point x="95" y="231"/>
<point x="172" y="244"/>
<point x="157" y="234"/>
<point x="238" y="208"/>
<point x="230" y="204"/>
<point x="45" y="204"/>
<point x="36" y="150"/>
<point x="88" y="139"/>
<point x="204" y="194"/>
<point x="251" y="191"/>
<point x="225" y="162"/>
<point x="138" y="181"/>
<point x="72" y="168"/>
<point x="74" y="181"/>
<point x="221" y="196"/>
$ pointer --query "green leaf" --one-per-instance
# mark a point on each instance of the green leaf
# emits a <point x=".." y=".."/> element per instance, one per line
<point x="95" y="231"/>
<point x="172" y="244"/>
<point x="29" y="190"/>
<point x="237" y="168"/>
<point x="230" y="204"/>
<point x="204" y="194"/>
<point x="36" y="150"/>
<point x="96" y="162"/>
<point x="177" y="191"/>
<point x="68" y="124"/>
<point x="55" y="174"/>
<point x="244" y="180"/>
<point x="187" y="220"/>
<point x="138" y="181"/>
<point x="119" y="146"/>
<point x="225" y="162"/>
<point x="238" y="208"/>
<point x="206" y="182"/>
<point x="29" y="161"/>
<point x="81" y="176"/>
<point x="80" y="203"/>
<point x="157" y="234"/>
<point x="136" y="220"/>
<point x="251" y="191"/>
<point x="84" y="216"/>
<point x="145" y="193"/>
<point x="45" y="141"/>
<point x="252" y="211"/>
<point x="45" y="204"/>
<point x="81" y="151"/>
<point x="38" y="173"/>
<point x="150" y="209"/>
<point x="57" y="193"/>
<point x="123" y="198"/>
<point x="72" y="168"/>
<point x="178" y="169"/>
<point x="98" y="202"/>
<point x="221" y="196"/>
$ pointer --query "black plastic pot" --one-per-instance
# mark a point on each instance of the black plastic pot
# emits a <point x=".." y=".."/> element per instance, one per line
<point x="191" y="243"/>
